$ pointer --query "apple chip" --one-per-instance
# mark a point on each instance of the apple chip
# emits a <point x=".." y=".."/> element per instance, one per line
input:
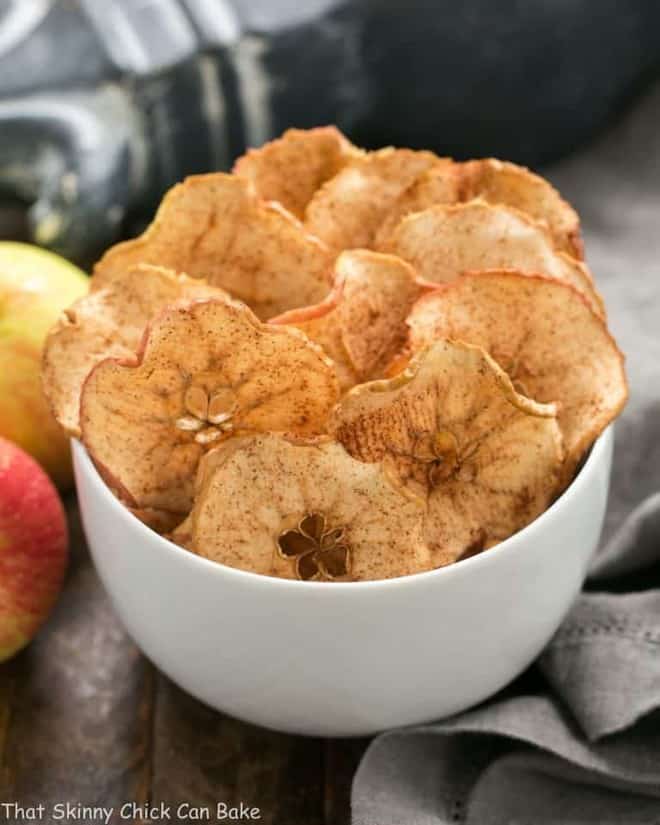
<point x="362" y="324"/>
<point x="439" y="184"/>
<point x="204" y="371"/>
<point x="347" y="211"/>
<point x="304" y="511"/>
<point x="454" y="429"/>
<point x="290" y="169"/>
<point x="544" y="335"/>
<point x="443" y="241"/>
<point x="161" y="521"/>
<point x="499" y="182"/>
<point x="212" y="227"/>
<point x="107" y="323"/>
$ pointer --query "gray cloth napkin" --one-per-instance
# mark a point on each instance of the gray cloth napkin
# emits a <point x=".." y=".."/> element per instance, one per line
<point x="577" y="739"/>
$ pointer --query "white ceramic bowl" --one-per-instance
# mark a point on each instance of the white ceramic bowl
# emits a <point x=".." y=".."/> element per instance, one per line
<point x="353" y="658"/>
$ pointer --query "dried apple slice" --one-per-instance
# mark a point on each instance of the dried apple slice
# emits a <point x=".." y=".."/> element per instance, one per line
<point x="212" y="227"/>
<point x="204" y="371"/>
<point x="304" y="511"/>
<point x="497" y="182"/>
<point x="454" y="428"/>
<point x="440" y="184"/>
<point x="107" y="323"/>
<point x="500" y="182"/>
<point x="347" y="210"/>
<point x="546" y="337"/>
<point x="362" y="324"/>
<point x="161" y="521"/>
<point x="290" y="169"/>
<point x="443" y="241"/>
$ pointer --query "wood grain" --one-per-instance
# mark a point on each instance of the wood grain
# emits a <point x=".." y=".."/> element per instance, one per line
<point x="341" y="760"/>
<point x="203" y="757"/>
<point x="79" y="725"/>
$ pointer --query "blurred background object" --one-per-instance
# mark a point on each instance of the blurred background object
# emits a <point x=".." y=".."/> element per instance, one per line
<point x="105" y="103"/>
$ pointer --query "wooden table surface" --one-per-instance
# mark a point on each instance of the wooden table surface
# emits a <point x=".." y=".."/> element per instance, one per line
<point x="85" y="718"/>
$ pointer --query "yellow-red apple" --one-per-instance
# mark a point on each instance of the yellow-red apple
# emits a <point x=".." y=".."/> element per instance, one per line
<point x="33" y="547"/>
<point x="35" y="286"/>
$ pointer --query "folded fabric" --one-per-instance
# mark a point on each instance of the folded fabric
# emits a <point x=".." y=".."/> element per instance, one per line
<point x="586" y="748"/>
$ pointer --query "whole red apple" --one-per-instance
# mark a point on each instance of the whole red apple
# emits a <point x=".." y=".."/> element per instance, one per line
<point x="33" y="547"/>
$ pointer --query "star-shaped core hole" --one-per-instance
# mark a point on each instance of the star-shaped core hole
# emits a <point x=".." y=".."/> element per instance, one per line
<point x="209" y="416"/>
<point x="319" y="554"/>
<point x="440" y="452"/>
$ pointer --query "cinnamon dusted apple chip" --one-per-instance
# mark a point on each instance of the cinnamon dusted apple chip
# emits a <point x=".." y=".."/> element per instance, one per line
<point x="204" y="371"/>
<point x="304" y="511"/>
<point x="453" y="428"/>
<point x="347" y="210"/>
<point x="361" y="325"/>
<point x="290" y="169"/>
<point x="499" y="182"/>
<point x="212" y="227"/>
<point x="107" y="323"/>
<point x="546" y="337"/>
<point x="161" y="521"/>
<point x="443" y="241"/>
<point x="440" y="184"/>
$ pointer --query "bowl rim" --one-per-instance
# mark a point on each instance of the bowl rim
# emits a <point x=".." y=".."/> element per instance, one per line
<point x="596" y="454"/>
